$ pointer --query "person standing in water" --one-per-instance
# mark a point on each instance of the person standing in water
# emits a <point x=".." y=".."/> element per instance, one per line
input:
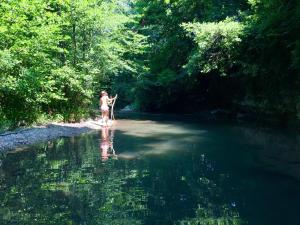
<point x="104" y="101"/>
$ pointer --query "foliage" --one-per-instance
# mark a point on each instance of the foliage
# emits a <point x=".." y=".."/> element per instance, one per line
<point x="271" y="62"/>
<point x="242" y="55"/>
<point x="216" y="46"/>
<point x="55" y="56"/>
<point x="173" y="54"/>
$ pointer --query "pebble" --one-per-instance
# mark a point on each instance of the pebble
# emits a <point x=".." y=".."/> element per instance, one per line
<point x="28" y="136"/>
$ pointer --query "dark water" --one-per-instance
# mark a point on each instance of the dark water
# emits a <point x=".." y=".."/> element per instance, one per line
<point x="156" y="172"/>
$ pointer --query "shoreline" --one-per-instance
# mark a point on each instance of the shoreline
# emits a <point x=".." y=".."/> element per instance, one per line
<point x="21" y="137"/>
<point x="11" y="140"/>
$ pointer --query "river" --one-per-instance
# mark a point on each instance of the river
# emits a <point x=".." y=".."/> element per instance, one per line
<point x="156" y="170"/>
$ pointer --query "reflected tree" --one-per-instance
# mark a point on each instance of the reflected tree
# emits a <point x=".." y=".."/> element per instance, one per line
<point x="66" y="182"/>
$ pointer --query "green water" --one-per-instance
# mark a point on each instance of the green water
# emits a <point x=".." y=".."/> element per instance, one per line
<point x="156" y="171"/>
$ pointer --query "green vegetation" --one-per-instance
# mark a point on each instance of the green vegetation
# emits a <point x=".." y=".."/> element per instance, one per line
<point x="236" y="55"/>
<point x="55" y="56"/>
<point x="160" y="55"/>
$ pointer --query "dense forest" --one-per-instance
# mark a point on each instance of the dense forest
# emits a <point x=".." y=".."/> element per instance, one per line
<point x="158" y="55"/>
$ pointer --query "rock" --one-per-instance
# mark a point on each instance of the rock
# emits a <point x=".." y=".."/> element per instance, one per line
<point x="128" y="108"/>
<point x="220" y="114"/>
<point x="246" y="116"/>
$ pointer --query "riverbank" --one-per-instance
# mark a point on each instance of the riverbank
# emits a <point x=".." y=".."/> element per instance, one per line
<point x="30" y="135"/>
<point x="27" y="136"/>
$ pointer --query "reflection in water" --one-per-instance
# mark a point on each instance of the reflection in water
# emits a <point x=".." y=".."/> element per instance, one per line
<point x="177" y="174"/>
<point x="275" y="151"/>
<point x="107" y="144"/>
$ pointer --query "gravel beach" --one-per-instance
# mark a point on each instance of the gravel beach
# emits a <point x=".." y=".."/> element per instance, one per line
<point x="28" y="136"/>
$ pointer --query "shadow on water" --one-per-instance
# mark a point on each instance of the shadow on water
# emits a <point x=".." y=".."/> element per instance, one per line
<point x="148" y="172"/>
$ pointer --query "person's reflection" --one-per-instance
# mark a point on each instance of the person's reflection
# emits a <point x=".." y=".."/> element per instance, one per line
<point x="106" y="144"/>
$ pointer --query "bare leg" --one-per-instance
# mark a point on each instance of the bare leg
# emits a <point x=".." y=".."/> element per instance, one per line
<point x="105" y="119"/>
<point x="102" y="115"/>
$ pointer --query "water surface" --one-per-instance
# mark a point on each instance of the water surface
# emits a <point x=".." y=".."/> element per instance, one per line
<point x="156" y="171"/>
